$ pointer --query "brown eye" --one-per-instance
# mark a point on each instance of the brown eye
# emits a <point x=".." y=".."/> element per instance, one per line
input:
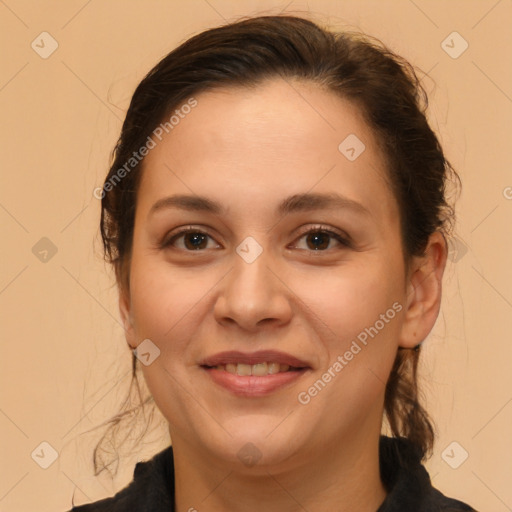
<point x="319" y="239"/>
<point x="193" y="240"/>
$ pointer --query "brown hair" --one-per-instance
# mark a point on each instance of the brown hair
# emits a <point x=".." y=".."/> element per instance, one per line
<point x="355" y="66"/>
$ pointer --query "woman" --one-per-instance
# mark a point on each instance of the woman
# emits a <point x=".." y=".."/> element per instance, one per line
<point x="276" y="218"/>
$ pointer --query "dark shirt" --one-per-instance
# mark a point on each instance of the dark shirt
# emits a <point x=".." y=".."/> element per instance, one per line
<point x="406" y="480"/>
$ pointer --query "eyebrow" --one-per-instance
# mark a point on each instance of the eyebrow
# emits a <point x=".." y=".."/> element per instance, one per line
<point x="292" y="204"/>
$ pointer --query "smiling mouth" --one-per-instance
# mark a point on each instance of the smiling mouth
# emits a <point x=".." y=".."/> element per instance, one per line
<point x="258" y="370"/>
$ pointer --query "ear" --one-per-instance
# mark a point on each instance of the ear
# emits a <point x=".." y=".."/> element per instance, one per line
<point x="424" y="289"/>
<point x="126" y="317"/>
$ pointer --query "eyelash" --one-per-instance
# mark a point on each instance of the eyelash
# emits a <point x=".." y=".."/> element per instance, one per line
<point x="168" y="242"/>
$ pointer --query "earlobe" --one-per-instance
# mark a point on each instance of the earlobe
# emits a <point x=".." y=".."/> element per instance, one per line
<point x="424" y="292"/>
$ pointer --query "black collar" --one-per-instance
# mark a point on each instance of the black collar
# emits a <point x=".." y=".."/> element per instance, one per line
<point x="406" y="480"/>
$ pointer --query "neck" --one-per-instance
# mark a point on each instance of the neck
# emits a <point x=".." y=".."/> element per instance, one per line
<point x="345" y="478"/>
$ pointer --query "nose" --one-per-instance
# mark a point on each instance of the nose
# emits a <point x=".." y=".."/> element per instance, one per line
<point x="254" y="295"/>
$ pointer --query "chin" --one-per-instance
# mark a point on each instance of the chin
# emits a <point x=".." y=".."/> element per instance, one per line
<point x="256" y="442"/>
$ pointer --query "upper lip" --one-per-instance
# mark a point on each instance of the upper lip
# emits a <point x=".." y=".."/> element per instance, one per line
<point x="262" y="356"/>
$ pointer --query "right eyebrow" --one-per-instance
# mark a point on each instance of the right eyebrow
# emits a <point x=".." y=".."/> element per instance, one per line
<point x="188" y="202"/>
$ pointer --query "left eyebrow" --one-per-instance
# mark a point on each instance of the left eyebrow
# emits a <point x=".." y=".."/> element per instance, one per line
<point x="292" y="204"/>
<point x="318" y="201"/>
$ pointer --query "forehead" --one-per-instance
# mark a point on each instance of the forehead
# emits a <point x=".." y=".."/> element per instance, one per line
<point x="269" y="141"/>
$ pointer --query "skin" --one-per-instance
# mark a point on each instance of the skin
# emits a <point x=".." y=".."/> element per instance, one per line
<point x="249" y="149"/>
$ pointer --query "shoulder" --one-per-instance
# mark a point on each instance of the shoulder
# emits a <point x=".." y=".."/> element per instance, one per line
<point x="152" y="486"/>
<point x="408" y="483"/>
<point x="445" y="504"/>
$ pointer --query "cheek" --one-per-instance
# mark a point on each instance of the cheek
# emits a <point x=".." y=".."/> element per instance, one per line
<point x="358" y="316"/>
<point x="164" y="302"/>
<point x="165" y="308"/>
<point x="349" y="301"/>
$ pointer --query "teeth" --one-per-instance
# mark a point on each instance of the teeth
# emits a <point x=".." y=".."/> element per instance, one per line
<point x="243" y="369"/>
<point x="230" y="368"/>
<point x="260" y="369"/>
<point x="273" y="368"/>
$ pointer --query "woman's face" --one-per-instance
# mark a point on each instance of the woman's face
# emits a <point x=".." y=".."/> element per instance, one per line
<point x="249" y="279"/>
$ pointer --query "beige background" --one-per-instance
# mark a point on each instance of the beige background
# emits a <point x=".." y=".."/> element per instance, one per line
<point x="65" y="365"/>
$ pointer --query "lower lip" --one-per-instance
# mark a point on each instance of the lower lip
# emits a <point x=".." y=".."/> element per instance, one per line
<point x="252" y="385"/>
